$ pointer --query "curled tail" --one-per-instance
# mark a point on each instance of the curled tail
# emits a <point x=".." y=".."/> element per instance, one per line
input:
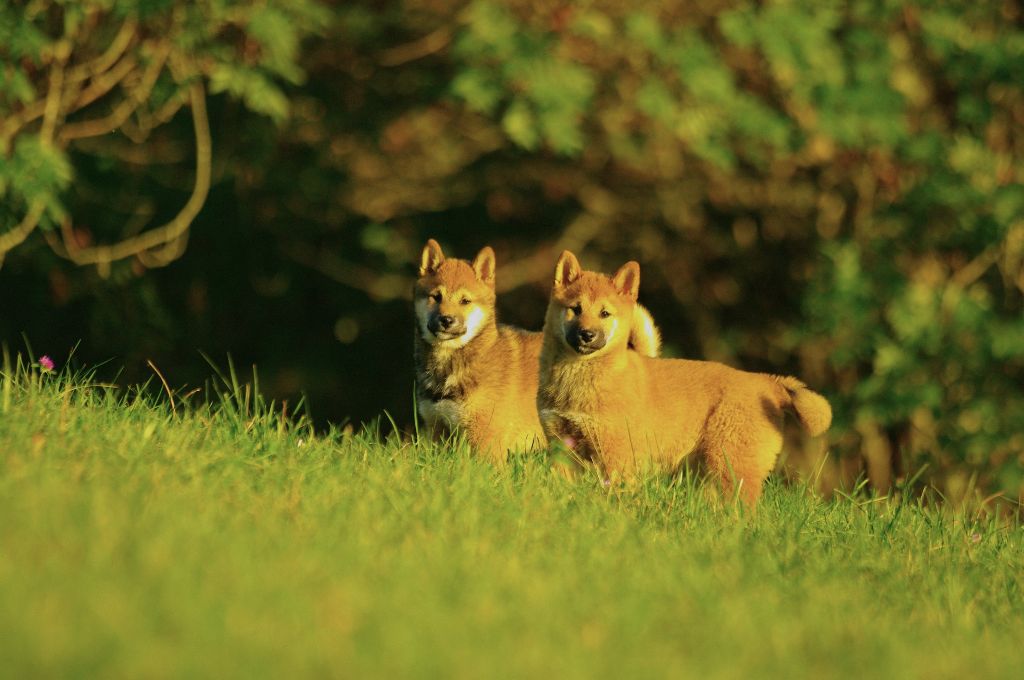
<point x="811" y="409"/>
<point x="644" y="336"/>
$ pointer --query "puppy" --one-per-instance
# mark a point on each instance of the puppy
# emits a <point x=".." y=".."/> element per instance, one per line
<point x="629" y="412"/>
<point x="473" y="373"/>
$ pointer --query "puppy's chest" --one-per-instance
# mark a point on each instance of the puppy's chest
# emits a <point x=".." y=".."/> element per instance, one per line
<point x="458" y="390"/>
<point x="471" y="412"/>
<point x="575" y="408"/>
<point x="573" y="386"/>
<point x="443" y="376"/>
<point x="446" y="398"/>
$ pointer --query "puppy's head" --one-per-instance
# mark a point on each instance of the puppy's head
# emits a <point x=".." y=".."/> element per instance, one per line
<point x="592" y="313"/>
<point x="454" y="299"/>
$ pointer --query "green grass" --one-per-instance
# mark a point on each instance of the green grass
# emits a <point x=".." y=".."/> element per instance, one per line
<point x="224" y="541"/>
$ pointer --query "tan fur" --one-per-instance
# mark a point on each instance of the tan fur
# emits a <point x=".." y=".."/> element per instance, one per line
<point x="629" y="413"/>
<point x="644" y="337"/>
<point x="484" y="385"/>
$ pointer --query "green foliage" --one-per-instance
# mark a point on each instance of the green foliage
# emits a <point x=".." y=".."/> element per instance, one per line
<point x="252" y="87"/>
<point x="550" y="96"/>
<point x="35" y="172"/>
<point x="21" y="39"/>
<point x="15" y="86"/>
<point x="273" y="34"/>
<point x="246" y="49"/>
<point x="228" y="540"/>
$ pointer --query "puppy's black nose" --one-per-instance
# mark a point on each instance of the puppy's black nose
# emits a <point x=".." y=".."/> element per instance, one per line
<point x="446" y="321"/>
<point x="586" y="335"/>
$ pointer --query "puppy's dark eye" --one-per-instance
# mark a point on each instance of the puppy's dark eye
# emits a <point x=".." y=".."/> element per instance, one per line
<point x="464" y="301"/>
<point x="436" y="297"/>
<point x="605" y="313"/>
<point x="577" y="309"/>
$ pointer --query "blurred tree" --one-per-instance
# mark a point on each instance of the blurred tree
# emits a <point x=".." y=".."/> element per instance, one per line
<point x="75" y="73"/>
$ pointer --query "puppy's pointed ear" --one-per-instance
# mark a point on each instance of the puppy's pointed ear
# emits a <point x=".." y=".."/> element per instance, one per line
<point x="431" y="258"/>
<point x="567" y="269"/>
<point x="627" y="280"/>
<point x="483" y="265"/>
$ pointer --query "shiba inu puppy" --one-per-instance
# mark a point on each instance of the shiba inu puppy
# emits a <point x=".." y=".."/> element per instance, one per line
<point x="628" y="412"/>
<point x="473" y="373"/>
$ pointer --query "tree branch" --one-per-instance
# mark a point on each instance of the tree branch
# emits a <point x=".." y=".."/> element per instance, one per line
<point x="377" y="285"/>
<point x="102" y="256"/>
<point x="417" y="49"/>
<point x="135" y="97"/>
<point x="534" y="268"/>
<point x="104" y="83"/>
<point x="161" y="257"/>
<point x="52" y="105"/>
<point x="13" y="238"/>
<point x="138" y="132"/>
<point x="118" y="45"/>
<point x="71" y="99"/>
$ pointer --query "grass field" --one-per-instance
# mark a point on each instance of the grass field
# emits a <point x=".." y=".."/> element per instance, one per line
<point x="222" y="541"/>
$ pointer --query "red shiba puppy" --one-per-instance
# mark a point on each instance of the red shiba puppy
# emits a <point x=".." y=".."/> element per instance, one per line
<point x="628" y="412"/>
<point x="473" y="373"/>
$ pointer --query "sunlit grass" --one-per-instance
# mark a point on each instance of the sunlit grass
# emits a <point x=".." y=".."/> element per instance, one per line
<point x="219" y="538"/>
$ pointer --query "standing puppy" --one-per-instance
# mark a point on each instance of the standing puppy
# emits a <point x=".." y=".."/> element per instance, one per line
<point x="473" y="373"/>
<point x="628" y="412"/>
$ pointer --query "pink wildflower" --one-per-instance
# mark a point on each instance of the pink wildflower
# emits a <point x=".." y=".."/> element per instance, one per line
<point x="45" y="364"/>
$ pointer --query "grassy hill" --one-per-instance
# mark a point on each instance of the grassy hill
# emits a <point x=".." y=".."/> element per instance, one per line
<point x="145" y="538"/>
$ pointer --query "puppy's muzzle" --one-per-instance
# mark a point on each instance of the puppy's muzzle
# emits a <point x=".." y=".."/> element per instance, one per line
<point x="445" y="327"/>
<point x="585" y="340"/>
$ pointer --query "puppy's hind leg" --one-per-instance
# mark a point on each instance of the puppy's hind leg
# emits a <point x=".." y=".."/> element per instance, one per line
<point x="741" y="452"/>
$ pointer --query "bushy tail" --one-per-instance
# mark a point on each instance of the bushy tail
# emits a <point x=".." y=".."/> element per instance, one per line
<point x="644" y="336"/>
<point x="811" y="409"/>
